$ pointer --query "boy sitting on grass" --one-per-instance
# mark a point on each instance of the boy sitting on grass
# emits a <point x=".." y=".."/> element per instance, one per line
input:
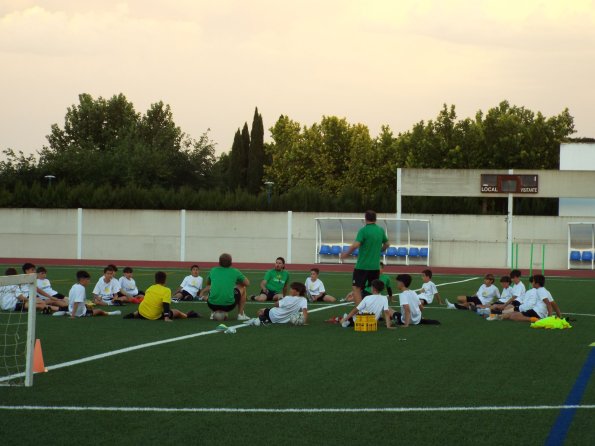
<point x="157" y="303"/>
<point x="13" y="299"/>
<point x="374" y="303"/>
<point x="285" y="308"/>
<point x="128" y="286"/>
<point x="535" y="304"/>
<point x="411" y="307"/>
<point x="77" y="296"/>
<point x="106" y="290"/>
<point x="45" y="291"/>
<point x="315" y="288"/>
<point x="429" y="290"/>
<point x="516" y="295"/>
<point x="485" y="296"/>
<point x="190" y="286"/>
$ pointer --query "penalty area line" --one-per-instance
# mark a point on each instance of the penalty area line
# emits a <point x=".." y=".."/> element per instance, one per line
<point x="296" y="410"/>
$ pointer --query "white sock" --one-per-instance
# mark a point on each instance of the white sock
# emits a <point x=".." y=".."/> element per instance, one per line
<point x="114" y="313"/>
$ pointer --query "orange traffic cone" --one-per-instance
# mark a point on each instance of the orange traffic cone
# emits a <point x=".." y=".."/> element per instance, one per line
<point x="38" y="365"/>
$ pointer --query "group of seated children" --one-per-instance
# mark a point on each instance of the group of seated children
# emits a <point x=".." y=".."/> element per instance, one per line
<point x="377" y="304"/>
<point x="514" y="303"/>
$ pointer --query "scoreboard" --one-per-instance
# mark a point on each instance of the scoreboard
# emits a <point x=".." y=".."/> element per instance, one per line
<point x="509" y="184"/>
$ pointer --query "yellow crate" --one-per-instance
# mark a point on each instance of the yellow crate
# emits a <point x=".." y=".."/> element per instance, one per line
<point x="366" y="322"/>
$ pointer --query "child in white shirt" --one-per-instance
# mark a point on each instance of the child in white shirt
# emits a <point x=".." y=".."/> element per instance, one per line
<point x="77" y="306"/>
<point x="315" y="288"/>
<point x="128" y="286"/>
<point x="411" y="307"/>
<point x="190" y="286"/>
<point x="292" y="308"/>
<point x="107" y="288"/>
<point x="484" y="297"/>
<point x="373" y="303"/>
<point x="535" y="306"/>
<point x="429" y="290"/>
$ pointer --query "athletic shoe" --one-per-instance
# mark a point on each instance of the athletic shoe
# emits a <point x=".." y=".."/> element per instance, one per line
<point x="494" y="317"/>
<point x="345" y="323"/>
<point x="252" y="297"/>
<point x="59" y="313"/>
<point x="254" y="321"/>
<point x="192" y="314"/>
<point x="175" y="301"/>
<point x="450" y="306"/>
<point x="211" y="316"/>
<point x="243" y="317"/>
<point x="333" y="320"/>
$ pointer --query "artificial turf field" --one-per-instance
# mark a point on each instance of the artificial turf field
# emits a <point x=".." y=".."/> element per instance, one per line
<point x="464" y="363"/>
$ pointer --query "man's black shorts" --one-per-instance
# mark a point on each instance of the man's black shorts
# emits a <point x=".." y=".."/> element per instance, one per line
<point x="265" y="317"/>
<point x="530" y="313"/>
<point x="268" y="293"/>
<point x="474" y="300"/>
<point x="364" y="277"/>
<point x="227" y="308"/>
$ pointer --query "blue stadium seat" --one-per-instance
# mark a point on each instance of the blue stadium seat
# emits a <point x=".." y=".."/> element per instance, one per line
<point x="413" y="252"/>
<point x="335" y="250"/>
<point x="587" y="256"/>
<point x="391" y="251"/>
<point x="355" y="252"/>
<point x="345" y="248"/>
<point x="402" y="252"/>
<point x="575" y="256"/>
<point x="423" y="253"/>
<point x="325" y="250"/>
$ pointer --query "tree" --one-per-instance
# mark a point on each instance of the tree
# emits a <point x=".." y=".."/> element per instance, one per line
<point x="244" y="156"/>
<point x="256" y="154"/>
<point x="235" y="180"/>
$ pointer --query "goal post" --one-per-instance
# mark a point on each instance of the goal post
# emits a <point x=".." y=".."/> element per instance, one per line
<point x="17" y="349"/>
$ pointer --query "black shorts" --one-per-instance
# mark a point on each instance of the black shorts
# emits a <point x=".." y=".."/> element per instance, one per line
<point x="269" y="293"/>
<point x="58" y="296"/>
<point x="237" y="295"/>
<point x="89" y="313"/>
<point x="320" y="298"/>
<point x="364" y="277"/>
<point x="530" y="313"/>
<point x="423" y="301"/>
<point x="474" y="300"/>
<point x="265" y="317"/>
<point x="397" y="318"/>
<point x="515" y="303"/>
<point x="20" y="306"/>
<point x="186" y="295"/>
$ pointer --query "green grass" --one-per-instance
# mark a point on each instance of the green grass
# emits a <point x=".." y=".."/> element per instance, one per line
<point x="466" y="361"/>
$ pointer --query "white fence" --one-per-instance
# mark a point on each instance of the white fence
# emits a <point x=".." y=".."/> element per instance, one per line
<point x="456" y="240"/>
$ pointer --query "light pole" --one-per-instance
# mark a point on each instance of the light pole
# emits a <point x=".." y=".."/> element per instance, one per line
<point x="50" y="178"/>
<point x="269" y="185"/>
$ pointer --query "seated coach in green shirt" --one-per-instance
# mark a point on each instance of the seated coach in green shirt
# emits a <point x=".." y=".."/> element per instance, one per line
<point x="226" y="288"/>
<point x="274" y="284"/>
<point x="371" y="240"/>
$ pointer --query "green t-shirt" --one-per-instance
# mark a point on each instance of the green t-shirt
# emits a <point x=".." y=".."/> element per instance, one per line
<point x="276" y="280"/>
<point x="223" y="281"/>
<point x="386" y="281"/>
<point x="371" y="238"/>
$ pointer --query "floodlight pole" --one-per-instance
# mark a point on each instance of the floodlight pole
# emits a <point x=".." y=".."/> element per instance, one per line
<point x="50" y="178"/>
<point x="398" y="193"/>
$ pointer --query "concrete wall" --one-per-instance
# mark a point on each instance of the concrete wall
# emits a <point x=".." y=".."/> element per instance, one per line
<point x="457" y="240"/>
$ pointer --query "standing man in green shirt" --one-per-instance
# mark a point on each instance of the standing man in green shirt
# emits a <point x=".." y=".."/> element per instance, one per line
<point x="226" y="288"/>
<point x="371" y="241"/>
<point x="274" y="284"/>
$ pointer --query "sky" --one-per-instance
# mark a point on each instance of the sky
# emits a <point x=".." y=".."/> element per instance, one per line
<point x="374" y="62"/>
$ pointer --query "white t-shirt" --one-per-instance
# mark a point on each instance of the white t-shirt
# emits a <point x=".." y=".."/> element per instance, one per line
<point x="77" y="294"/>
<point x="314" y="288"/>
<point x="128" y="286"/>
<point x="373" y="303"/>
<point x="519" y="291"/>
<point x="409" y="297"/>
<point x="45" y="286"/>
<point x="8" y="297"/>
<point x="24" y="290"/>
<point x="287" y="306"/>
<point x="533" y="300"/>
<point x="488" y="294"/>
<point x="106" y="290"/>
<point x="428" y="291"/>
<point x="540" y="308"/>
<point x="192" y="284"/>
<point x="505" y="295"/>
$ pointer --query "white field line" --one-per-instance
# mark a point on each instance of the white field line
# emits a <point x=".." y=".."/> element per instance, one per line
<point x="164" y="341"/>
<point x="298" y="410"/>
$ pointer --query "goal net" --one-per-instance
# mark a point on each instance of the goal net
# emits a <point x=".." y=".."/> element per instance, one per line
<point x="17" y="329"/>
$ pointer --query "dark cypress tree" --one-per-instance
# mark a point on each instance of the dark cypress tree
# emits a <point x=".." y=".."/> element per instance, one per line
<point x="256" y="154"/>
<point x="234" y="161"/>
<point x="245" y="150"/>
